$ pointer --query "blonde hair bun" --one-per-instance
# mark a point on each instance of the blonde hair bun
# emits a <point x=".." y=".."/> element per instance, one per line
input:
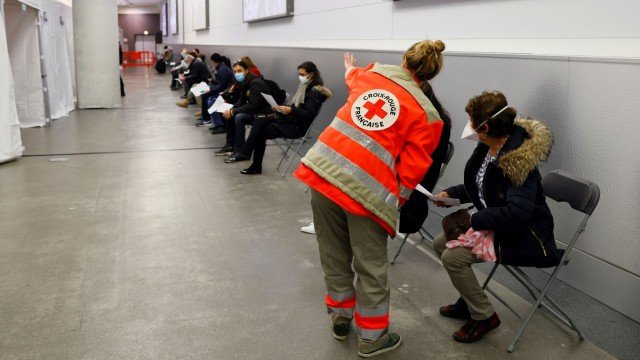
<point x="439" y="46"/>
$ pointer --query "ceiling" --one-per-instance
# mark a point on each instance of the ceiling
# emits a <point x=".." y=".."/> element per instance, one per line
<point x="139" y="2"/>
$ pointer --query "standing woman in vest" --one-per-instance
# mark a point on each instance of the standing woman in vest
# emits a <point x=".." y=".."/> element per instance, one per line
<point x="363" y="166"/>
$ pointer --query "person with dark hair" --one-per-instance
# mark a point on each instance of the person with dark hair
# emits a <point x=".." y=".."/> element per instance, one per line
<point x="291" y="121"/>
<point x="502" y="181"/>
<point x="414" y="212"/>
<point x="244" y="111"/>
<point x="222" y="81"/>
<point x="362" y="167"/>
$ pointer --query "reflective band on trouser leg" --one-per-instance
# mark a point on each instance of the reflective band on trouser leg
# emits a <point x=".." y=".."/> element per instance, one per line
<point x="372" y="323"/>
<point x="341" y="303"/>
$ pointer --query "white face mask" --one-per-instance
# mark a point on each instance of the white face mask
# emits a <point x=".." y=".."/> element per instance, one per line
<point x="469" y="133"/>
<point x="303" y="79"/>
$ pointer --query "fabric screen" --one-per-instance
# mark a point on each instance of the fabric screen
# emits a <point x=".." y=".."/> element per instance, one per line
<point x="24" y="58"/>
<point x="10" y="141"/>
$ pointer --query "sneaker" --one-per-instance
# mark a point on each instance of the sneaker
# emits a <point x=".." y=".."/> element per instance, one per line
<point x="203" y="122"/>
<point x="474" y="330"/>
<point x="236" y="157"/>
<point x="368" y="350"/>
<point x="198" y="114"/>
<point x="309" y="229"/>
<point x="219" y="130"/>
<point x="341" y="326"/>
<point x="225" y="151"/>
<point x="459" y="310"/>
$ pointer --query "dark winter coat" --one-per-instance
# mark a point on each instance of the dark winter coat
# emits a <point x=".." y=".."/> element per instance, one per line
<point x="251" y="100"/>
<point x="301" y="117"/>
<point x="224" y="79"/>
<point x="516" y="207"/>
<point x="198" y="72"/>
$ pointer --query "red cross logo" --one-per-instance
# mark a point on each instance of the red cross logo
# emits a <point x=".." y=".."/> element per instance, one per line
<point x="375" y="109"/>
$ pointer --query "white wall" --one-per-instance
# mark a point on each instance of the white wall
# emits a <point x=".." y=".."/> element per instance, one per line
<point x="560" y="27"/>
<point x="584" y="81"/>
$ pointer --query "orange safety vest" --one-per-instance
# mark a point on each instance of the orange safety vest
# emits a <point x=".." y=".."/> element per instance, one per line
<point x="377" y="149"/>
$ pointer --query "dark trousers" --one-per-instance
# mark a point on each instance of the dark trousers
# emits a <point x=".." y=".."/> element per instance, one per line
<point x="121" y="87"/>
<point x="241" y="121"/>
<point x="261" y="131"/>
<point x="205" y="105"/>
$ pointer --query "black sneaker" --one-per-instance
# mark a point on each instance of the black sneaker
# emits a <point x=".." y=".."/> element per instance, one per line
<point x="219" y="130"/>
<point x="225" y="151"/>
<point x="237" y="157"/>
<point x="341" y="326"/>
<point x="459" y="310"/>
<point x="367" y="350"/>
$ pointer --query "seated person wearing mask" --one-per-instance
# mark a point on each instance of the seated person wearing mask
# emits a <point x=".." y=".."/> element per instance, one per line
<point x="502" y="181"/>
<point x="290" y="121"/>
<point x="223" y="79"/>
<point x="244" y="111"/>
<point x="196" y="73"/>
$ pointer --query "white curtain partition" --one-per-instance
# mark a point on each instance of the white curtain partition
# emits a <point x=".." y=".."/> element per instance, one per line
<point x="56" y="60"/>
<point x="24" y="56"/>
<point x="10" y="141"/>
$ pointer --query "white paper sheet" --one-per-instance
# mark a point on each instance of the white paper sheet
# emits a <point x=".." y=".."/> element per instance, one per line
<point x="430" y="196"/>
<point x="216" y="104"/>
<point x="224" y="107"/>
<point x="270" y="100"/>
<point x="200" y="89"/>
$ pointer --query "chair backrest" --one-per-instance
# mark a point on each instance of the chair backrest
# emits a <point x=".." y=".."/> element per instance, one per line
<point x="449" y="155"/>
<point x="447" y="158"/>
<point x="582" y="195"/>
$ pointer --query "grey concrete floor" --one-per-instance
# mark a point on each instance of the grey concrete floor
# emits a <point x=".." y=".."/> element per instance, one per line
<point x="143" y="245"/>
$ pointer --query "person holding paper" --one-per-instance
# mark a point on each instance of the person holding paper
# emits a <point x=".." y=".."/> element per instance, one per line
<point x="362" y="167"/>
<point x="244" y="111"/>
<point x="222" y="81"/>
<point x="502" y="181"/>
<point x="291" y="121"/>
<point x="196" y="73"/>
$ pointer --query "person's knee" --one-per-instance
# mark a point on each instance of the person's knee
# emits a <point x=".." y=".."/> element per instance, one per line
<point x="440" y="244"/>
<point x="453" y="258"/>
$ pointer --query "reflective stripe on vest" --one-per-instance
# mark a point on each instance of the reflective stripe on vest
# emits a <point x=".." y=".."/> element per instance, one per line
<point x="405" y="192"/>
<point x="365" y="141"/>
<point x="353" y="181"/>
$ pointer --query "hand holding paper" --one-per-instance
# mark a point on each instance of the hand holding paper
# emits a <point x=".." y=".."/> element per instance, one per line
<point x="216" y="104"/>
<point x="430" y="196"/>
<point x="200" y="89"/>
<point x="270" y="100"/>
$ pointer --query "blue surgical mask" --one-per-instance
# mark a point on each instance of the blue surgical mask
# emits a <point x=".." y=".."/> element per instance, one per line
<point x="240" y="77"/>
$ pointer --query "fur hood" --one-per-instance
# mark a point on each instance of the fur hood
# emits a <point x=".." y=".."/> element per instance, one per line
<point x="323" y="90"/>
<point x="536" y="148"/>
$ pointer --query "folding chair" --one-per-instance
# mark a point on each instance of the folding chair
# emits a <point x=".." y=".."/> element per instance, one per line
<point x="447" y="158"/>
<point x="296" y="145"/>
<point x="581" y="195"/>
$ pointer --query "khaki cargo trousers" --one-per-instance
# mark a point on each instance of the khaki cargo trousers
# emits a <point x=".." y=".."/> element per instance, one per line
<point x="353" y="248"/>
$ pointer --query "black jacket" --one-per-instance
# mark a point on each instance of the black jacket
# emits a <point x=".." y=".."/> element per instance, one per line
<point x="301" y="117"/>
<point x="198" y="72"/>
<point x="516" y="207"/>
<point x="414" y="212"/>
<point x="251" y="101"/>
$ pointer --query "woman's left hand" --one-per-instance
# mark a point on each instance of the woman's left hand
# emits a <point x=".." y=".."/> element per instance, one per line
<point x="283" y="109"/>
